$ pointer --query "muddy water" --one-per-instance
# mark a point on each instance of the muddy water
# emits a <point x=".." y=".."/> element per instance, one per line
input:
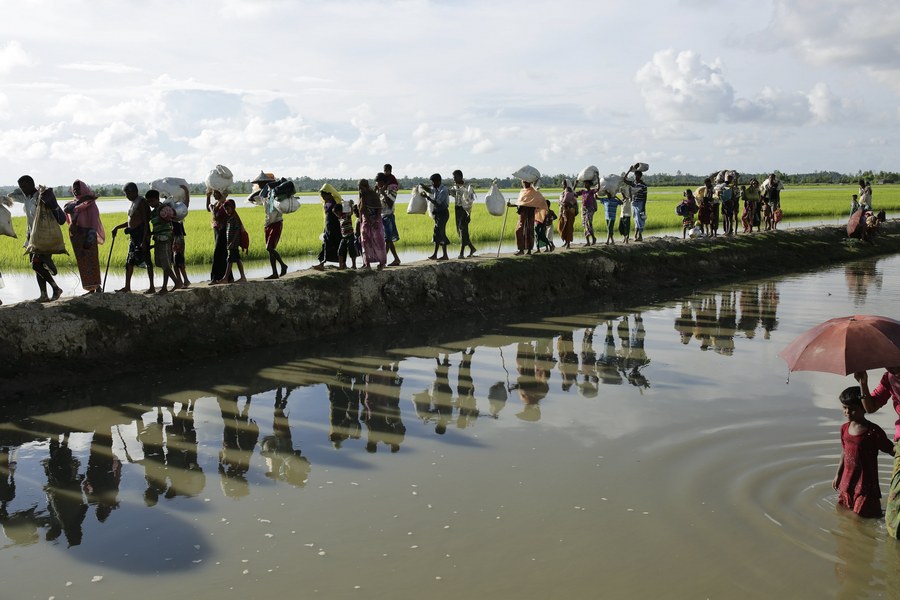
<point x="645" y="451"/>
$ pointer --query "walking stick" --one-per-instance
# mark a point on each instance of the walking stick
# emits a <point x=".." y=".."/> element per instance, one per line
<point x="108" y="259"/>
<point x="502" y="230"/>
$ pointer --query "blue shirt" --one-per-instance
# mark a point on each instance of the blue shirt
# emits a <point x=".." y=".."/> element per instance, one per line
<point x="610" y="205"/>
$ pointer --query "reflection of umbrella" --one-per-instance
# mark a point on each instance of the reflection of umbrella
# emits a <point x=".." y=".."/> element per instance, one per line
<point x="846" y="345"/>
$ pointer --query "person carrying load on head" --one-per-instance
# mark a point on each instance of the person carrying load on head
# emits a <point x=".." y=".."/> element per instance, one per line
<point x="33" y="198"/>
<point x="267" y="197"/>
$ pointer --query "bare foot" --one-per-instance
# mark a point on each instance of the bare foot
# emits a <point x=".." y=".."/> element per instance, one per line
<point x="124" y="290"/>
<point x="283" y="269"/>
<point x="395" y="263"/>
<point x="319" y="267"/>
<point x="472" y="251"/>
<point x="186" y="284"/>
<point x="162" y="291"/>
<point x="442" y="258"/>
<point x="381" y="266"/>
<point x="43" y="298"/>
<point x="432" y="257"/>
<point x="272" y="276"/>
<point x="150" y="291"/>
<point x="519" y="253"/>
<point x="241" y="280"/>
<point x="56" y="294"/>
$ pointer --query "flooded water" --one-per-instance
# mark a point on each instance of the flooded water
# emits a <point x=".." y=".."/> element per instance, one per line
<point x="646" y="451"/>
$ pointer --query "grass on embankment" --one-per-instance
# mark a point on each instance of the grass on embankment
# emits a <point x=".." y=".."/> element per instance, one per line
<point x="303" y="228"/>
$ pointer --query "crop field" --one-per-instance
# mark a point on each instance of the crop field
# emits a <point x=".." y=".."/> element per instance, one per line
<point x="303" y="228"/>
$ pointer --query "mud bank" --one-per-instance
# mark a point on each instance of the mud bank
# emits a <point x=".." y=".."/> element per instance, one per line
<point x="93" y="338"/>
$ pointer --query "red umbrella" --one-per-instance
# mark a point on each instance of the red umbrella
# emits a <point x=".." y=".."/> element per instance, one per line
<point x="846" y="345"/>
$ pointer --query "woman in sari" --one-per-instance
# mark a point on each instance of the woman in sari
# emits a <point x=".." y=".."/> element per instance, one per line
<point x="371" y="228"/>
<point x="86" y="232"/>
<point x="751" y="205"/>
<point x="218" y="223"/>
<point x="568" y="210"/>
<point x="331" y="236"/>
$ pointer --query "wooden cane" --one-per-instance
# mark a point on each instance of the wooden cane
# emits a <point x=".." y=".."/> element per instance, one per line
<point x="108" y="259"/>
<point x="502" y="229"/>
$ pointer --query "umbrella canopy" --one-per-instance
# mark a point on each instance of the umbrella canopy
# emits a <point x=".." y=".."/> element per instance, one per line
<point x="846" y="345"/>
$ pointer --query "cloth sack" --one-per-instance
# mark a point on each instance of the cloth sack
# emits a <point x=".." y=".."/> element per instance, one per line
<point x="179" y="209"/>
<point x="220" y="179"/>
<point x="170" y="187"/>
<point x="609" y="184"/>
<point x="527" y="173"/>
<point x="289" y="204"/>
<point x="418" y="204"/>
<point x="46" y="233"/>
<point x="642" y="167"/>
<point x="6" y="227"/>
<point x="589" y="174"/>
<point x="495" y="201"/>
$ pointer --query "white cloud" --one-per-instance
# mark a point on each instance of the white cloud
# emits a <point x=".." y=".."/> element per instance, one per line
<point x="12" y="55"/>
<point x="681" y="87"/>
<point x="4" y="107"/>
<point x="101" y="67"/>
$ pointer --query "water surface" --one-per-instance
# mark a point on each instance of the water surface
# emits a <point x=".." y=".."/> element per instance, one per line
<point x="587" y="452"/>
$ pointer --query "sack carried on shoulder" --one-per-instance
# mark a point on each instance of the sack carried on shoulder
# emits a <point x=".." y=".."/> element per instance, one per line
<point x="46" y="234"/>
<point x="244" y="242"/>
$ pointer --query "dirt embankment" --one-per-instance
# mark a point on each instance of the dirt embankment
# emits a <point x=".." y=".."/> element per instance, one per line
<point x="94" y="337"/>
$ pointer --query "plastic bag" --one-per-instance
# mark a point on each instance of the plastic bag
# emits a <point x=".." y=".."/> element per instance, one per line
<point x="46" y="234"/>
<point x="6" y="227"/>
<point x="179" y="210"/>
<point x="589" y="174"/>
<point x="289" y="204"/>
<point x="170" y="187"/>
<point x="527" y="173"/>
<point x="642" y="167"/>
<point x="220" y="179"/>
<point x="495" y="201"/>
<point x="418" y="204"/>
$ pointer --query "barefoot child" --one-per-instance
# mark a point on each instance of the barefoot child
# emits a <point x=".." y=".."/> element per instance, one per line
<point x="161" y="220"/>
<point x="588" y="208"/>
<point x="233" y="229"/>
<point x="856" y="480"/>
<point x="344" y="212"/>
<point x="610" y="205"/>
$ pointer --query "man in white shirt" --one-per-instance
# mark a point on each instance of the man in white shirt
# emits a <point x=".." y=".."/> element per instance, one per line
<point x="42" y="264"/>
<point x="464" y="198"/>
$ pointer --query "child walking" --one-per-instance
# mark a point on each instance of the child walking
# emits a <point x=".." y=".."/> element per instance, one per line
<point x="588" y="208"/>
<point x="688" y="208"/>
<point x="347" y="246"/>
<point x="610" y="205"/>
<point x="856" y="480"/>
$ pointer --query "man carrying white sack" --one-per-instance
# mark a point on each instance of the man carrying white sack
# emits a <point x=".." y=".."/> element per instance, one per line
<point x="464" y="198"/>
<point x="265" y="197"/>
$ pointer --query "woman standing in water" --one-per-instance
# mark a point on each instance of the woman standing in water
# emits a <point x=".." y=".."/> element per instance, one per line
<point x="86" y="232"/>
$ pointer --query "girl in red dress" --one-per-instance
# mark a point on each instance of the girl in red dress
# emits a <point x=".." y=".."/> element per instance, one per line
<point x="856" y="480"/>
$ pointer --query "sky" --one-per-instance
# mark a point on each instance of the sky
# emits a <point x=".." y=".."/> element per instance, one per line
<point x="110" y="91"/>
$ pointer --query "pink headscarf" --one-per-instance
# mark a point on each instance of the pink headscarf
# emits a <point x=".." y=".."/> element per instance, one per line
<point x="86" y="212"/>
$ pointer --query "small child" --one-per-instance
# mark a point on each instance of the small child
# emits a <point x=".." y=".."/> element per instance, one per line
<point x="161" y="221"/>
<point x="856" y="480"/>
<point x="588" y="208"/>
<point x="178" y="248"/>
<point x="610" y="206"/>
<point x="704" y="216"/>
<point x="689" y="207"/>
<point x="233" y="233"/>
<point x="348" y="234"/>
<point x="854" y="204"/>
<point x="543" y="232"/>
<point x="625" y="219"/>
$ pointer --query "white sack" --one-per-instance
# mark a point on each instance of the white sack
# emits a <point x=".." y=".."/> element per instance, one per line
<point x="610" y="184"/>
<point x="220" y="179"/>
<point x="527" y="173"/>
<point x="289" y="205"/>
<point x="418" y="204"/>
<point x="169" y="187"/>
<point x="6" y="227"/>
<point x="589" y="174"/>
<point x="495" y="200"/>
<point x="642" y="167"/>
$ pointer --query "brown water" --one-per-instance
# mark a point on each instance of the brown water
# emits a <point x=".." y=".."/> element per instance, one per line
<point x="652" y="451"/>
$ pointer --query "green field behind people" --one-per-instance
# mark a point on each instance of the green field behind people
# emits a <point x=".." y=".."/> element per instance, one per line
<point x="302" y="229"/>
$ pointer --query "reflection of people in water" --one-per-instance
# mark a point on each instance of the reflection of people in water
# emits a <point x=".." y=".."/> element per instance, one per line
<point x="239" y="438"/>
<point x="284" y="463"/>
<point x="150" y="435"/>
<point x="442" y="395"/>
<point x="465" y="391"/>
<point x="748" y="298"/>
<point x="636" y="358"/>
<point x="66" y="504"/>
<point x="706" y="320"/>
<point x="344" y="401"/>
<point x="102" y="475"/>
<point x="684" y="322"/>
<point x="589" y="378"/>
<point x="861" y="277"/>
<point x="568" y="360"/>
<point x="530" y="387"/>
<point x="497" y="397"/>
<point x="726" y="325"/>
<point x="382" y="408"/>
<point x="608" y="362"/>
<point x="184" y="473"/>
<point x="20" y="527"/>
<point x="769" y="300"/>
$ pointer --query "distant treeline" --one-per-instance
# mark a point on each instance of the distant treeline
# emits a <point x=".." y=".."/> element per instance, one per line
<point x="310" y="184"/>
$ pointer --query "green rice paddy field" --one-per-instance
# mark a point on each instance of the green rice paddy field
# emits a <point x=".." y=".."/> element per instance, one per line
<point x="302" y="228"/>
